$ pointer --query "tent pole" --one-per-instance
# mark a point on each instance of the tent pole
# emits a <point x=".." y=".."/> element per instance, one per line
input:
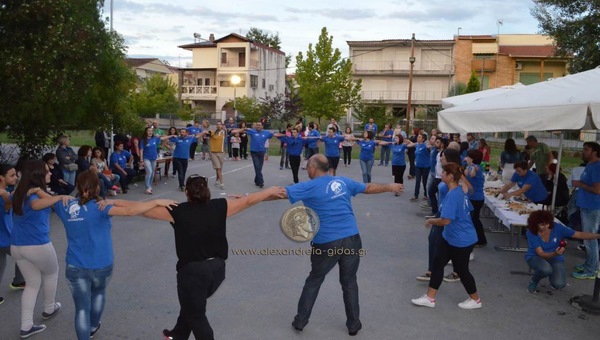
<point x="557" y="174"/>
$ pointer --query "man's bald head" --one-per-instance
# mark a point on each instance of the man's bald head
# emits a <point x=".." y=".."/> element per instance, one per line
<point x="319" y="162"/>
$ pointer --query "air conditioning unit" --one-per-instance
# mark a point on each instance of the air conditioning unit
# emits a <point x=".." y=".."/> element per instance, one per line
<point x="518" y="66"/>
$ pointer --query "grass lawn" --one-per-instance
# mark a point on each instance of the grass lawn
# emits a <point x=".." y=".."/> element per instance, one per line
<point x="78" y="137"/>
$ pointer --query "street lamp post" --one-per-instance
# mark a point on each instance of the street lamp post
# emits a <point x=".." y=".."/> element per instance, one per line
<point x="235" y="80"/>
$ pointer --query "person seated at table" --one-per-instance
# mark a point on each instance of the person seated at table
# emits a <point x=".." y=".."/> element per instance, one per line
<point x="529" y="184"/>
<point x="545" y="255"/>
<point x="562" y="191"/>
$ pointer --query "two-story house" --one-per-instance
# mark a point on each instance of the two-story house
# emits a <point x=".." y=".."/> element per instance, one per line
<point x="506" y="59"/>
<point x="383" y="66"/>
<point x="207" y="85"/>
<point x="145" y="68"/>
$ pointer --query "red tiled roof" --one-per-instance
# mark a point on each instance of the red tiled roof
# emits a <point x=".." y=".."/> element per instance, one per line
<point x="528" y="51"/>
<point x="137" y="62"/>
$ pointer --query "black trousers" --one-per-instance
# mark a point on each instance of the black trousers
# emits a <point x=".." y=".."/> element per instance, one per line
<point x="180" y="165"/>
<point x="398" y="173"/>
<point x="295" y="165"/>
<point x="347" y="154"/>
<point x="193" y="147"/>
<point x="477" y="205"/>
<point x="196" y="282"/>
<point x="460" y="260"/>
<point x="244" y="150"/>
<point x="126" y="178"/>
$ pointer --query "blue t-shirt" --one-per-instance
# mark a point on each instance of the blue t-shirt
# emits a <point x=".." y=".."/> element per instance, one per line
<point x="371" y="127"/>
<point x="433" y="159"/>
<point x="476" y="182"/>
<point x="182" y="146"/>
<point x="258" y="139"/>
<point x="366" y="150"/>
<point x="193" y="131"/>
<point x="442" y="192"/>
<point x="461" y="231"/>
<point x="33" y="227"/>
<point x="312" y="142"/>
<point x="119" y="158"/>
<point x="6" y="224"/>
<point x="421" y="155"/>
<point x="388" y="136"/>
<point x="88" y="234"/>
<point x="590" y="175"/>
<point x="294" y="145"/>
<point x="537" y="192"/>
<point x="399" y="154"/>
<point x="331" y="198"/>
<point x="332" y="145"/>
<point x="151" y="147"/>
<point x="557" y="233"/>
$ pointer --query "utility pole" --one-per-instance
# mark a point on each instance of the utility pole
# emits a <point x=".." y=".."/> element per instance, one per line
<point x="482" y="68"/>
<point x="410" y="80"/>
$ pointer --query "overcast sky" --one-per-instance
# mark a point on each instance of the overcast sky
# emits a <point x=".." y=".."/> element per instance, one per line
<point x="155" y="28"/>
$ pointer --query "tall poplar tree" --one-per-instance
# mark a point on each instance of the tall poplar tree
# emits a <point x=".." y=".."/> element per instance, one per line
<point x="324" y="79"/>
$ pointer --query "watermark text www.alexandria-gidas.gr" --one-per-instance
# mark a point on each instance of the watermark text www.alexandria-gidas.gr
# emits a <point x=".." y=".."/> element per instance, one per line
<point x="299" y="251"/>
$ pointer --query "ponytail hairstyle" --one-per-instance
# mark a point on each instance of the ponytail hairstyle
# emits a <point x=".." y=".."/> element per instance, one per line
<point x="454" y="170"/>
<point x="33" y="176"/>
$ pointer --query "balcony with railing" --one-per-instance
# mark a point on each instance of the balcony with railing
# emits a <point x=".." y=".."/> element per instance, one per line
<point x="400" y="67"/>
<point x="418" y="97"/>
<point x="237" y="62"/>
<point x="198" y="92"/>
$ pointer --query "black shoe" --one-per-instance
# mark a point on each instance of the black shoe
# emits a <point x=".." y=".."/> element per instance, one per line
<point x="1" y="300"/>
<point x="17" y="285"/>
<point x="296" y="327"/>
<point x="261" y="186"/>
<point x="92" y="333"/>
<point x="47" y="316"/>
<point x="167" y="334"/>
<point x="182" y="188"/>
<point x="353" y="333"/>
<point x="124" y="190"/>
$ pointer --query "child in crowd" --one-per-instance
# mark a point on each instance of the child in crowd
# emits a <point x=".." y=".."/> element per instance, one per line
<point x="235" y="145"/>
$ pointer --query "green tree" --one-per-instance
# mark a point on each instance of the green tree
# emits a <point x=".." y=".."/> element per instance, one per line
<point x="156" y="95"/>
<point x="376" y="110"/>
<point x="61" y="69"/>
<point x="260" y="36"/>
<point x="250" y="108"/>
<point x="473" y="84"/>
<point x="325" y="81"/>
<point x="575" y="27"/>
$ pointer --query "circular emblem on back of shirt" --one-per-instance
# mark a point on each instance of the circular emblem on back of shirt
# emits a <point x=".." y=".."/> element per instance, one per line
<point x="299" y="223"/>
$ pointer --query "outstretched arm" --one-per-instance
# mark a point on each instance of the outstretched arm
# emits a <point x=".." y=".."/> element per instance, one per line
<point x="376" y="188"/>
<point x="238" y="205"/>
<point x="129" y="208"/>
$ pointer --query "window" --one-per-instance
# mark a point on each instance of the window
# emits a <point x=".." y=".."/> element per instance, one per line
<point x="253" y="81"/>
<point x="264" y="83"/>
<point x="224" y="58"/>
<point x="224" y="83"/>
<point x="206" y="81"/>
<point x="242" y="59"/>
<point x="271" y="87"/>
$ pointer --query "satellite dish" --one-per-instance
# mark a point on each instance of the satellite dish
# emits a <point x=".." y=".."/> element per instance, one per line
<point x="197" y="35"/>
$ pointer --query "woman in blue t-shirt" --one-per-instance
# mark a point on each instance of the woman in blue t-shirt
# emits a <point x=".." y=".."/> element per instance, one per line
<point x="422" y="164"/>
<point x="30" y="243"/>
<point x="89" y="252"/>
<point x="8" y="178"/>
<point x="474" y="173"/>
<point x="148" y="153"/>
<point x="367" y="149"/>
<point x="530" y="184"/>
<point x="456" y="244"/>
<point x="545" y="251"/>
<point x="398" y="159"/>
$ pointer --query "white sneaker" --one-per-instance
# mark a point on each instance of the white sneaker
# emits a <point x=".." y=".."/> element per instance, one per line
<point x="424" y="301"/>
<point x="472" y="256"/>
<point x="470" y="304"/>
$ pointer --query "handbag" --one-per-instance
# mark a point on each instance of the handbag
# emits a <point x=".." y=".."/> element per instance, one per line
<point x="107" y="172"/>
<point x="71" y="167"/>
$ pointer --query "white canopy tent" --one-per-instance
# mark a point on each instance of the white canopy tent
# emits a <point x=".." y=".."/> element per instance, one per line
<point x="471" y="97"/>
<point x="568" y="103"/>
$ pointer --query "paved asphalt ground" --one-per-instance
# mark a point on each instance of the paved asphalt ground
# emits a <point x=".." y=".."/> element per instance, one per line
<point x="258" y="298"/>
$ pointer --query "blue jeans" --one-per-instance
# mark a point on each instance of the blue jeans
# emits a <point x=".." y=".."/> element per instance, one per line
<point x="366" y="167"/>
<point x="551" y="268"/>
<point x="590" y="219"/>
<point x="421" y="175"/>
<point x="88" y="287"/>
<point x="69" y="176"/>
<point x="258" y="159"/>
<point x="323" y="259"/>
<point x="384" y="154"/>
<point x="150" y="167"/>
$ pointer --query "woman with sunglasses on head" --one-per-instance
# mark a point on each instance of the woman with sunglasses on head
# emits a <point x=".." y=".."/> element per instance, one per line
<point x="89" y="257"/>
<point x="30" y="243"/>
<point x="545" y="252"/>
<point x="202" y="249"/>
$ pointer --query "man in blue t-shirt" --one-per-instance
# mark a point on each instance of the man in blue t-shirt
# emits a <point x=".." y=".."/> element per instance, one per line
<point x="183" y="143"/>
<point x="193" y="130"/>
<point x="258" y="137"/>
<point x="588" y="201"/>
<point x="337" y="240"/>
<point x="529" y="184"/>
<point x="121" y="163"/>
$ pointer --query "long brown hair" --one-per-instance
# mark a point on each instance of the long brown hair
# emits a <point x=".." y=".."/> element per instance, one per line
<point x="33" y="176"/>
<point x="88" y="186"/>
